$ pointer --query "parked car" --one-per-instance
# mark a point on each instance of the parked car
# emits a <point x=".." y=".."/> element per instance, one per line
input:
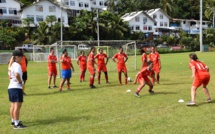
<point x="83" y="47"/>
<point x="29" y="48"/>
<point x="162" y="46"/>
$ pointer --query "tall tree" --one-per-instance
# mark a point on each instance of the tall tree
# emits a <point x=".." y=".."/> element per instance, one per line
<point x="50" y="19"/>
<point x="167" y="7"/>
<point x="42" y="34"/>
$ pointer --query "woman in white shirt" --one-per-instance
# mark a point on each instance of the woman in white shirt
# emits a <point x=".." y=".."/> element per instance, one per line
<point x="15" y="89"/>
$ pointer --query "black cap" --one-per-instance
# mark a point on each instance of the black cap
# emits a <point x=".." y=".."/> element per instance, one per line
<point x="65" y="50"/>
<point x="17" y="53"/>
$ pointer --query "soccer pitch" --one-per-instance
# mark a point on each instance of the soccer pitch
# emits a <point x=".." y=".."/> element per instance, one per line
<point x="109" y="108"/>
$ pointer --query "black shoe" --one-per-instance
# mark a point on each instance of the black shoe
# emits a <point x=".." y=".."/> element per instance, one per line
<point x="151" y="92"/>
<point x="137" y="94"/>
<point x="12" y="124"/>
<point x="49" y="87"/>
<point x="92" y="86"/>
<point x="24" y="93"/>
<point x="54" y="86"/>
<point x="99" y="83"/>
<point x="19" y="126"/>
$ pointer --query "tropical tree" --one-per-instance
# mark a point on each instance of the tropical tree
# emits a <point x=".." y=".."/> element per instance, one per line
<point x="27" y="22"/>
<point x="167" y="7"/>
<point x="50" y="19"/>
<point x="42" y="34"/>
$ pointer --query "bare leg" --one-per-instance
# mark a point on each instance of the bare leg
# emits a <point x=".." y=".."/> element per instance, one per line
<point x="206" y="92"/>
<point x="120" y="77"/>
<point x="11" y="110"/>
<point x="142" y="84"/>
<point x="193" y="93"/>
<point x="49" y="80"/>
<point x="61" y="84"/>
<point x="16" y="111"/>
<point x="126" y="78"/>
<point x="54" y="80"/>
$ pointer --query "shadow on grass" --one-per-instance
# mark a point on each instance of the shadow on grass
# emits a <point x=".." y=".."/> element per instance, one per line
<point x="65" y="119"/>
<point x="164" y="93"/>
<point x="173" y="83"/>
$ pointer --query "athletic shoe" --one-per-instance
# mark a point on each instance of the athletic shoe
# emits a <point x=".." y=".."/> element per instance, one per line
<point x="151" y="92"/>
<point x="12" y="124"/>
<point x="54" y="86"/>
<point x="60" y="90"/>
<point x="19" y="126"/>
<point x="92" y="86"/>
<point x="49" y="87"/>
<point x="107" y="82"/>
<point x="24" y="93"/>
<point x="137" y="94"/>
<point x="99" y="83"/>
<point x="191" y="103"/>
<point x="68" y="89"/>
<point x="209" y="100"/>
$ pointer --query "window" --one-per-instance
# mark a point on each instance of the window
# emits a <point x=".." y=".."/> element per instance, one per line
<point x="155" y="24"/>
<point x="101" y="3"/>
<point x="132" y="27"/>
<point x="94" y="3"/>
<point x="154" y="16"/>
<point x="144" y="19"/>
<point x="86" y="5"/>
<point x="184" y="22"/>
<point x="72" y="3"/>
<point x="66" y="2"/>
<point x="137" y="19"/>
<point x="51" y="8"/>
<point x="81" y="4"/>
<point x="39" y="8"/>
<point x="2" y="1"/>
<point x="137" y="27"/>
<point x="165" y="24"/>
<point x="161" y="16"/>
<point x="3" y="10"/>
<point x="30" y="17"/>
<point x="161" y="24"/>
<point x="39" y="18"/>
<point x="12" y="11"/>
<point x="150" y="28"/>
<point x="144" y="27"/>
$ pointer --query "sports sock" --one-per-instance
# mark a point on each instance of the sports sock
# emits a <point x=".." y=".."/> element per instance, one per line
<point x="12" y="120"/>
<point x="16" y="122"/>
<point x="99" y="77"/>
<point x="91" y="81"/>
<point x="158" y="77"/>
<point x="106" y="76"/>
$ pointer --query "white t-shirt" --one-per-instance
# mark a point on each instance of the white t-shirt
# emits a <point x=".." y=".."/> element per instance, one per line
<point x="15" y="68"/>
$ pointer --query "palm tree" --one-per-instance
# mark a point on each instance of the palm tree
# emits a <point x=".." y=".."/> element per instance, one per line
<point x="42" y="34"/>
<point x="27" y="22"/>
<point x="167" y="7"/>
<point x="210" y="10"/>
<point x="50" y="19"/>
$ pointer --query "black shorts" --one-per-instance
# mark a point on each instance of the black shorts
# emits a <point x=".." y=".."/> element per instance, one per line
<point x="15" y="95"/>
<point x="24" y="76"/>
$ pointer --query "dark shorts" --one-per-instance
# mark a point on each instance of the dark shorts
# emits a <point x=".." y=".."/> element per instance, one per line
<point x="66" y="74"/>
<point x="24" y="76"/>
<point x="15" y="95"/>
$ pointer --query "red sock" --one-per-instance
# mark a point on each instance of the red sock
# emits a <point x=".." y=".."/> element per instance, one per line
<point x="138" y="90"/>
<point x="99" y="77"/>
<point x="91" y="81"/>
<point x="158" y="77"/>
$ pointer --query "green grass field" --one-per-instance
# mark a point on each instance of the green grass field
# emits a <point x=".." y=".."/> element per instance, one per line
<point x="108" y="108"/>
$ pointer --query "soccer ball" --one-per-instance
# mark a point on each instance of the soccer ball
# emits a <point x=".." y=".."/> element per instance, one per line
<point x="129" y="79"/>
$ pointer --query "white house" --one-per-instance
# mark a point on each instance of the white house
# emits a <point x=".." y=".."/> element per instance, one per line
<point x="189" y="26"/>
<point x="140" y="21"/>
<point x="9" y="11"/>
<point x="162" y="19"/>
<point x="77" y="5"/>
<point x="39" y="10"/>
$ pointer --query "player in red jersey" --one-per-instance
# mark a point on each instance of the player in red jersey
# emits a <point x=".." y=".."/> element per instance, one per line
<point x="82" y="63"/>
<point x="142" y="78"/>
<point x="121" y="67"/>
<point x="91" y="67"/>
<point x="155" y="58"/>
<point x="52" y="69"/>
<point x="143" y="57"/>
<point x="200" y="75"/>
<point x="66" y="72"/>
<point x="101" y="64"/>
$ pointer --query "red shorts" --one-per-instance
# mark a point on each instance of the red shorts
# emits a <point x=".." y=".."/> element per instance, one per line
<point x="146" y="79"/>
<point x="156" y="69"/>
<point x="122" y="69"/>
<point x="83" y="68"/>
<point x="92" y="70"/>
<point x="203" y="80"/>
<point x="52" y="72"/>
<point x="102" y="67"/>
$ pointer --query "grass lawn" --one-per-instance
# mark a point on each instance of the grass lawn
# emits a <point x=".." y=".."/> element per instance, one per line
<point x="108" y="108"/>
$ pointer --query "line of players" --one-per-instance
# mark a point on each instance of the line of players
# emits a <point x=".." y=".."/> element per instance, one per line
<point x="89" y="63"/>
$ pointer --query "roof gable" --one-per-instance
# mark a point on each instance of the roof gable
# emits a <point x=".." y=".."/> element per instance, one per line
<point x="130" y="16"/>
<point x="153" y="11"/>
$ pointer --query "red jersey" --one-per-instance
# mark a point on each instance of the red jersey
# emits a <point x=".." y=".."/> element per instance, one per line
<point x="144" y="59"/>
<point x="66" y="63"/>
<point x="101" y="58"/>
<point x="144" y="72"/>
<point x="83" y="60"/>
<point x="200" y="68"/>
<point x="154" y="57"/>
<point x="23" y="64"/>
<point x="53" y="58"/>
<point x="120" y="58"/>
<point x="91" y="60"/>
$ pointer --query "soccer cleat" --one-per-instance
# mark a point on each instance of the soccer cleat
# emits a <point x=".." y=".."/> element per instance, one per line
<point x="54" y="86"/>
<point x="137" y="94"/>
<point x="209" y="100"/>
<point x="19" y="126"/>
<point x="92" y="86"/>
<point x="24" y="93"/>
<point x="49" y="87"/>
<point x="12" y="124"/>
<point x="191" y="103"/>
<point x="151" y="92"/>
